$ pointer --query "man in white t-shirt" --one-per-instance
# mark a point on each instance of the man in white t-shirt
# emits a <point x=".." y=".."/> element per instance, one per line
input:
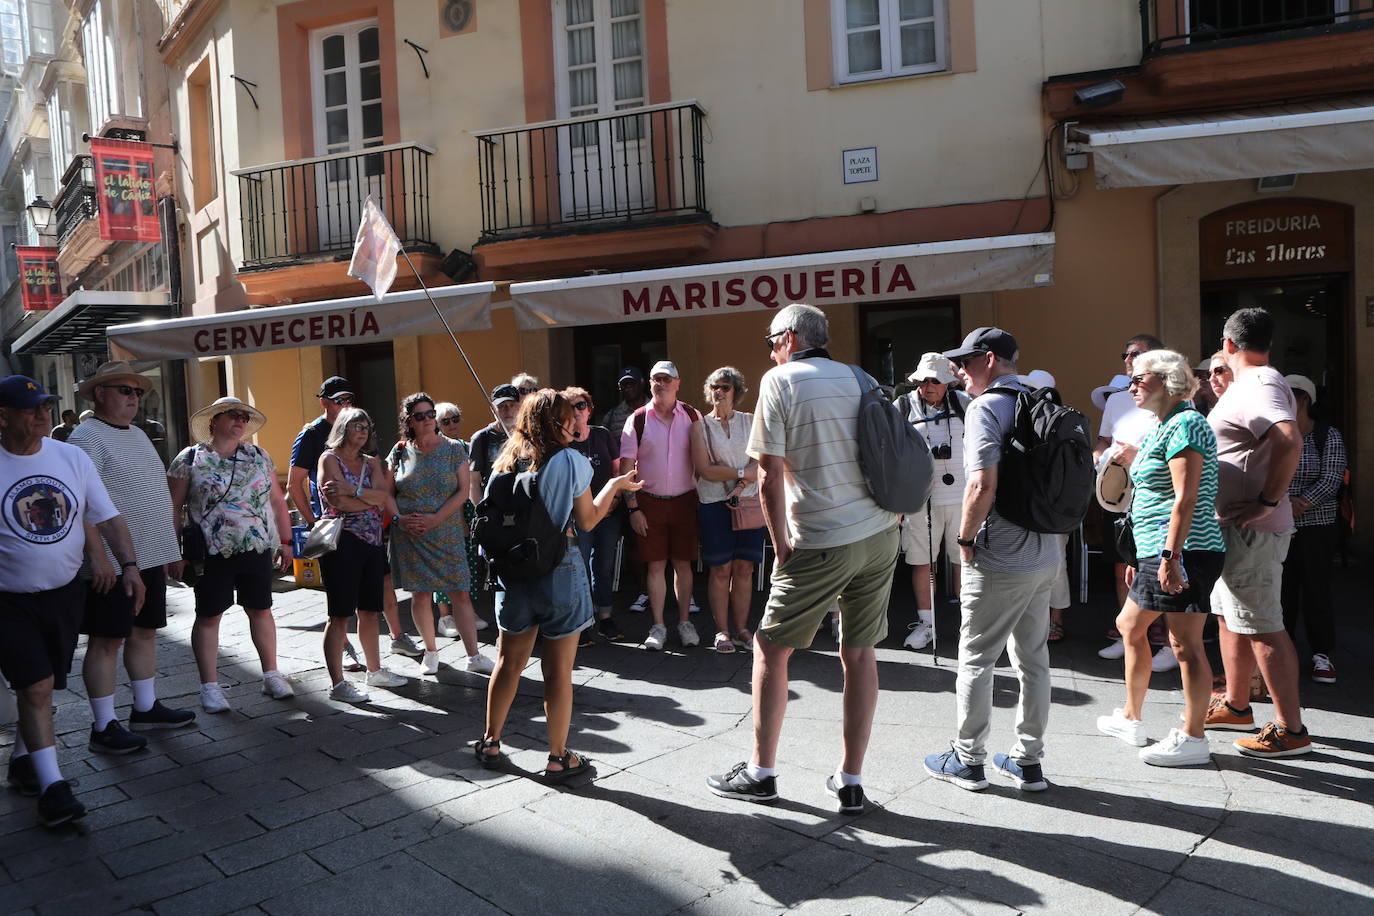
<point x="49" y="491"/>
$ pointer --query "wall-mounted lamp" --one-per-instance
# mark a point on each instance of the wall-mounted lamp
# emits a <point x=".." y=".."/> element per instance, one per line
<point x="40" y="211"/>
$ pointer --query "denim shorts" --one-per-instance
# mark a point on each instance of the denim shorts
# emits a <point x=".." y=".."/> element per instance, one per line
<point x="720" y="543"/>
<point x="559" y="604"/>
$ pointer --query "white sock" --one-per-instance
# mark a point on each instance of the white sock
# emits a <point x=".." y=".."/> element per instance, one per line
<point x="341" y="683"/>
<point x="266" y="674"/>
<point x="927" y="618"/>
<point x="102" y="711"/>
<point x="145" y="694"/>
<point x="848" y="779"/>
<point x="209" y="684"/>
<point x="474" y="656"/>
<point x="20" y="749"/>
<point x="760" y="773"/>
<point x="45" y="766"/>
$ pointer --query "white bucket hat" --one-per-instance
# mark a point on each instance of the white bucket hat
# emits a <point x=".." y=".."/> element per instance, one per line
<point x="1036" y="378"/>
<point x="1101" y="393"/>
<point x="932" y="366"/>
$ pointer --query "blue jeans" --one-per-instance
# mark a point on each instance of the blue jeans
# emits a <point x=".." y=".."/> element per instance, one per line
<point x="598" y="552"/>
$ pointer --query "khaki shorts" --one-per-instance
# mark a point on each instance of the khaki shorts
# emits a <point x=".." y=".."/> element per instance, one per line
<point x="806" y="585"/>
<point x="1248" y="593"/>
<point x="1060" y="595"/>
<point x="943" y="529"/>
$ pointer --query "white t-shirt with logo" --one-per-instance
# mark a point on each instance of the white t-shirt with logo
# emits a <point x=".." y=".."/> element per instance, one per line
<point x="45" y="497"/>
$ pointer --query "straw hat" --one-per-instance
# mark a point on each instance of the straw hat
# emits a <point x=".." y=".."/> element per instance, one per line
<point x="120" y="372"/>
<point x="200" y="420"/>
<point x="1114" y="488"/>
<point x="1101" y="393"/>
<point x="932" y="366"/>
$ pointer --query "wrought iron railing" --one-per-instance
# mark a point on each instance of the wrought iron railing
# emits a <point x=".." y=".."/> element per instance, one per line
<point x="310" y="207"/>
<point x="76" y="202"/>
<point x="1172" y="24"/>
<point x="643" y="164"/>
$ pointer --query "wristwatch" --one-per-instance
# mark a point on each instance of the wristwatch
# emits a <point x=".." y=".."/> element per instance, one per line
<point x="963" y="543"/>
<point x="739" y="472"/>
<point x="1264" y="502"/>
<point x="128" y="564"/>
<point x="1166" y="554"/>
<point x="635" y="509"/>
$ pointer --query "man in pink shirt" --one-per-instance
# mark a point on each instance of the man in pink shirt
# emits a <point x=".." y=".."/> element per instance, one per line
<point x="656" y="442"/>
<point x="1258" y="446"/>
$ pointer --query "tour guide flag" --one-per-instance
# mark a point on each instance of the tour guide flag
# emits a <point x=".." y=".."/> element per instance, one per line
<point x="124" y="189"/>
<point x="39" y="286"/>
<point x="375" y="251"/>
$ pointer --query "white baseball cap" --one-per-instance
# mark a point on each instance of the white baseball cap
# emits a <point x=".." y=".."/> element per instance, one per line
<point x="663" y="367"/>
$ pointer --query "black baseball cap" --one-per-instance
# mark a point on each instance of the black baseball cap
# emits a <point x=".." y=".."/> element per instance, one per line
<point x="630" y="372"/>
<point x="502" y="393"/>
<point x="334" y="386"/>
<point x="985" y="340"/>
<point x="23" y="392"/>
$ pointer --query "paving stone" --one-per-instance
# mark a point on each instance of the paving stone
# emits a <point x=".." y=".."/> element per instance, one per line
<point x="282" y="842"/>
<point x="302" y="806"/>
<point x="137" y="892"/>
<point x="392" y="883"/>
<point x="34" y="856"/>
<point x="181" y="845"/>
<point x="250" y="887"/>
<point x="414" y="797"/>
<point x="222" y="807"/>
<point x="398" y="834"/>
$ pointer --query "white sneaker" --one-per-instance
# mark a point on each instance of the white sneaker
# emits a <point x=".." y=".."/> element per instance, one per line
<point x="920" y="636"/>
<point x="447" y="627"/>
<point x="641" y="605"/>
<point x="212" y="698"/>
<point x="687" y="632"/>
<point x="384" y="678"/>
<point x="1132" y="731"/>
<point x="480" y="664"/>
<point x="1164" y="659"/>
<point x="693" y="609"/>
<point x="658" y="635"/>
<point x="479" y="623"/>
<point x="429" y="664"/>
<point x="276" y="686"/>
<point x="1180" y="749"/>
<point x="345" y="692"/>
<point x="1114" y="649"/>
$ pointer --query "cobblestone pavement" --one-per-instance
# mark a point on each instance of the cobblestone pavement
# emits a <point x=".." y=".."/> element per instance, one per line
<point x="311" y="806"/>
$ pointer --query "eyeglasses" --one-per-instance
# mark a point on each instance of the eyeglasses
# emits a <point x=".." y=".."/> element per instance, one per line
<point x="424" y="415"/>
<point x="126" y="390"/>
<point x="581" y="405"/>
<point x="362" y="425"/>
<point x="772" y="339"/>
<point x="965" y="361"/>
<point x="238" y="416"/>
<point x="723" y="387"/>
<point x="527" y="391"/>
<point x="343" y="400"/>
<point x="1131" y="354"/>
<point x="1220" y="370"/>
<point x="451" y="421"/>
<point x="1138" y="380"/>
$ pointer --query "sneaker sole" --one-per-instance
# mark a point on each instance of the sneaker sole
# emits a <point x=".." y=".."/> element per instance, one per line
<point x="115" y="751"/>
<point x="158" y="726"/>
<point x="26" y="791"/>
<point x="1175" y="761"/>
<point x="1323" y="680"/>
<point x="1229" y="727"/>
<point x="757" y="799"/>
<point x="1133" y="742"/>
<point x="1021" y="784"/>
<point x="907" y="645"/>
<point x="968" y="784"/>
<point x="1290" y="752"/>
<point x="64" y="819"/>
<point x="217" y="710"/>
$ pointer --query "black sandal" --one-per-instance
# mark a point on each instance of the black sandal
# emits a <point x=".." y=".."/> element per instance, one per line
<point x="489" y="761"/>
<point x="563" y="775"/>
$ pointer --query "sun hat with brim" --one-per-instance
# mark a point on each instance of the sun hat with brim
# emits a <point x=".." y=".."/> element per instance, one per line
<point x="1114" y="488"/>
<point x="1036" y="378"/>
<point x="1101" y="393"/>
<point x="1305" y="385"/>
<point x="200" y="420"/>
<point x="120" y="372"/>
<point x="933" y="366"/>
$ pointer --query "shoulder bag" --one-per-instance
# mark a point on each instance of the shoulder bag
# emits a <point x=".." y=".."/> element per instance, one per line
<point x="194" y="548"/>
<point x="746" y="512"/>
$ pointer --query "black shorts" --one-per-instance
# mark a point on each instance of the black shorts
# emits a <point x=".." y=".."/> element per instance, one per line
<point x="111" y="615"/>
<point x="248" y="574"/>
<point x="1202" y="567"/>
<point x="353" y="576"/>
<point x="38" y="633"/>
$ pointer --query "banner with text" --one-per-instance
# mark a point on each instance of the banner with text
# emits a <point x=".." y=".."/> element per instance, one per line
<point x="40" y="286"/>
<point x="124" y="190"/>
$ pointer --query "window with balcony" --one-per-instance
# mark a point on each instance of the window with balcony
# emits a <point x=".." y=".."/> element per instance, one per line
<point x="874" y="39"/>
<point x="37" y="28"/>
<point x="1178" y="23"/>
<point x="66" y="123"/>
<point x="346" y="74"/>
<point x="112" y="65"/>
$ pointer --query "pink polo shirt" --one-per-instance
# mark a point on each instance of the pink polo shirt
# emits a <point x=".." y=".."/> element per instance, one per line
<point x="664" y="458"/>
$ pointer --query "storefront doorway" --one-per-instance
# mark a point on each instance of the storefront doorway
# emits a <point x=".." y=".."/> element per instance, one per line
<point x="371" y="368"/>
<point x="602" y="350"/>
<point x="893" y="337"/>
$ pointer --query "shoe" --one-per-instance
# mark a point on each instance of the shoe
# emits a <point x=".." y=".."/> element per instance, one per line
<point x="429" y="664"/>
<point x="160" y="716"/>
<point x="568" y="771"/>
<point x="851" y="798"/>
<point x="447" y="627"/>
<point x="1164" y="660"/>
<point x="480" y="664"/>
<point x="641" y="604"/>
<point x="116" y="739"/>
<point x="1180" y="749"/>
<point x="737" y="783"/>
<point x="1222" y="716"/>
<point x="920" y="636"/>
<point x="687" y="632"/>
<point x="1056" y="632"/>
<point x="1029" y="777"/>
<point x="276" y="686"/>
<point x="1323" y="672"/>
<point x="658" y="635"/>
<point x="724" y="643"/>
<point x="1275" y="741"/>
<point x="479" y="624"/>
<point x="404" y="645"/>
<point x="346" y="692"/>
<point x="352" y="654"/>
<point x="1112" y="650"/>
<point x="22" y="777"/>
<point x="1132" y="731"/>
<point x="745" y="640"/>
<point x="692" y="606"/>
<point x="608" y="630"/>
<point x="57" y="805"/>
<point x="948" y="767"/>
<point x="212" y="698"/>
<point x="384" y="678"/>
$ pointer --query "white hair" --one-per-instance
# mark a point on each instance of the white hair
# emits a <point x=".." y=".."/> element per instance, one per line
<point x="806" y="321"/>
<point x="1170" y="366"/>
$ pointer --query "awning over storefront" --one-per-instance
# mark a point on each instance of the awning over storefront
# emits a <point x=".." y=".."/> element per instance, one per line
<point x="78" y="324"/>
<point x="1330" y="136"/>
<point x="855" y="275"/>
<point x="331" y="322"/>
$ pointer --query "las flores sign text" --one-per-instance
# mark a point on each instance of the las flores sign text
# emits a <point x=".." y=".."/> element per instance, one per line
<point x="1269" y="238"/>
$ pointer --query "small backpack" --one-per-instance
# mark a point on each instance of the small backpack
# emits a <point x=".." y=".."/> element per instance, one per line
<point x="893" y="456"/>
<point x="692" y="414"/>
<point x="1046" y="476"/>
<point x="513" y="527"/>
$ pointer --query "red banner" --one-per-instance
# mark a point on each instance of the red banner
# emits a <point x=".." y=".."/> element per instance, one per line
<point x="124" y="188"/>
<point x="40" y="285"/>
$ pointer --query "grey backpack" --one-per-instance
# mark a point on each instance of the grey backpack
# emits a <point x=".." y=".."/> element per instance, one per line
<point x="894" y="457"/>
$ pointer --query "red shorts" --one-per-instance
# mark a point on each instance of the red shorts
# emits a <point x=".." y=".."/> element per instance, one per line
<point x="672" y="528"/>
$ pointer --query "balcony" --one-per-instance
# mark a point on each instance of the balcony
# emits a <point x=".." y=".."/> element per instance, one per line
<point x="1173" y="24"/>
<point x="76" y="201"/>
<point x="309" y="209"/>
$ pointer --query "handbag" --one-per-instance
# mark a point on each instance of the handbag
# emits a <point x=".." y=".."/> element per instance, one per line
<point x="323" y="538"/>
<point x="194" y="548"/>
<point x="746" y="512"/>
<point x="1125" y="539"/>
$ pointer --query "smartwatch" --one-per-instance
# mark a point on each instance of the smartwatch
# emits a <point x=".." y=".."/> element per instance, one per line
<point x="739" y="472"/>
<point x="1166" y="554"/>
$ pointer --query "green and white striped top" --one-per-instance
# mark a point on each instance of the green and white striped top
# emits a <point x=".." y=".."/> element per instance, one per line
<point x="1153" y="501"/>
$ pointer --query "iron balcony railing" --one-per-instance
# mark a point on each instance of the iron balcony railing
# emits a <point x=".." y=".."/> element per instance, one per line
<point x="310" y="207"/>
<point x="1173" y="24"/>
<point x="76" y="202"/>
<point x="599" y="171"/>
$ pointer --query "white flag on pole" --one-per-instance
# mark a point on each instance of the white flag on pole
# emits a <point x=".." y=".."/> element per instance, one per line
<point x="375" y="251"/>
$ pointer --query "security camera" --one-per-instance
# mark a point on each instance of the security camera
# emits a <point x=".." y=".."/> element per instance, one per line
<point x="1099" y="94"/>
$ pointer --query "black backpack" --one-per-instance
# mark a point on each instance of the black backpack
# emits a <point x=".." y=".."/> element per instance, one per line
<point x="513" y="527"/>
<point x="1046" y="475"/>
<point x="893" y="456"/>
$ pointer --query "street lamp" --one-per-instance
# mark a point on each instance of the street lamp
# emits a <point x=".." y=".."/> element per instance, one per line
<point x="40" y="211"/>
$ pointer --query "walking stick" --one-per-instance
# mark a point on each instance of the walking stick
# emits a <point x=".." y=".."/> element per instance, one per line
<point x="930" y="579"/>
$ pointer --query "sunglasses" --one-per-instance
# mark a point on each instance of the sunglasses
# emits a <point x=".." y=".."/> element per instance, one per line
<point x="581" y="405"/>
<point x="1138" y="380"/>
<point x="725" y="387"/>
<point x="424" y="415"/>
<point x="451" y="421"/>
<point x="238" y="416"/>
<point x="343" y="400"/>
<point x="1220" y="370"/>
<point x="126" y="390"/>
<point x="1131" y="354"/>
<point x="773" y="340"/>
<point x="527" y="391"/>
<point x="972" y="358"/>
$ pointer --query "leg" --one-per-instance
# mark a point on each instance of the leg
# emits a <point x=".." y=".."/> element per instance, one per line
<point x="140" y="653"/>
<point x="1031" y="657"/>
<point x="98" y="673"/>
<point x="512" y="653"/>
<point x="1238" y="661"/>
<point x="369" y="633"/>
<point x="389" y="609"/>
<point x="465" y="616"/>
<point x="985" y="626"/>
<point x="35" y="714"/>
<point x="1319" y="545"/>
<point x="1185" y="634"/>
<point x="719" y="595"/>
<point x="1134" y="625"/>
<point x="205" y="647"/>
<point x="557" y="662"/>
<point x="422" y="612"/>
<point x="741" y="594"/>
<point x="682" y="587"/>
<point x="335" y="633"/>
<point x="1278" y="662"/>
<point x="920" y="584"/>
<point x="860" y="701"/>
<point x="263" y="630"/>
<point x="656" y="586"/>
<point x="770" y="698"/>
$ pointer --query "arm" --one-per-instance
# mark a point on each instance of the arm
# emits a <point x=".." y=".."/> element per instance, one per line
<point x="1287" y="451"/>
<point x="638" y="524"/>
<point x="589" y="511"/>
<point x="298" y="486"/>
<point x="283" y="517"/>
<point x="103" y="573"/>
<point x="701" y="457"/>
<point x="773" y="498"/>
<point x="335" y="491"/>
<point x="979" y="494"/>
<point x="418" y="523"/>
<point x="1329" y="480"/>
<point x="122" y="545"/>
<point x="1101" y="445"/>
<point x="1185" y="469"/>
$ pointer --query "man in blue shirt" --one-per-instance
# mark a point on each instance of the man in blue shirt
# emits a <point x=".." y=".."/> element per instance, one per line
<point x="335" y="394"/>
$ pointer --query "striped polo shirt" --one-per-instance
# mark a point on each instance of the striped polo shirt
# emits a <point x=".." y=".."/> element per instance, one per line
<point x="1153" y="502"/>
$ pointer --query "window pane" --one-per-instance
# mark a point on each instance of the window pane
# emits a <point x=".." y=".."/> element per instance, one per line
<point x="628" y="81"/>
<point x="860" y="13"/>
<point x="865" y="52"/>
<point x="579" y="11"/>
<point x="333" y="47"/>
<point x="371" y="80"/>
<point x="367" y="45"/>
<point x="336" y="89"/>
<point x="917" y="9"/>
<point x="336" y="126"/>
<point x="372" y="120"/>
<point x="625" y="39"/>
<point x="581" y="47"/>
<point x="624" y="7"/>
<point x="918" y="44"/>
<point x="582" y="88"/>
